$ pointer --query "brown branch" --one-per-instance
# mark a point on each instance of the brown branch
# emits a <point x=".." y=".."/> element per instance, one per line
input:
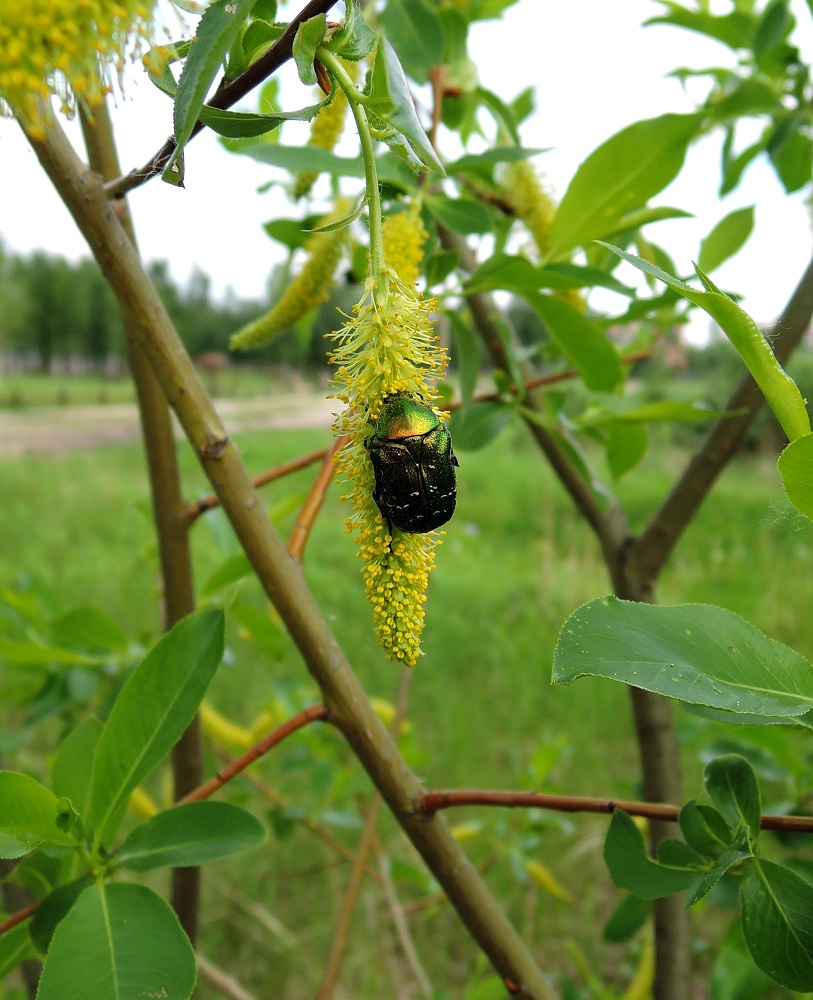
<point x="281" y="578"/>
<point x="315" y="713"/>
<point x="310" y="509"/>
<point x="651" y="550"/>
<point x="365" y="844"/>
<point x="428" y="803"/>
<point x="19" y="916"/>
<point x="198" y="507"/>
<point x="227" y="985"/>
<point x="609" y="526"/>
<point x="227" y="94"/>
<point x="168" y="510"/>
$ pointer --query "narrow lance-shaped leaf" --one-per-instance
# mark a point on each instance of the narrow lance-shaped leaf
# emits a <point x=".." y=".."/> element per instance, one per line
<point x="727" y="237"/>
<point x="778" y="388"/>
<point x="190" y="834"/>
<point x="218" y="29"/>
<point x="696" y="653"/>
<point x="29" y="816"/>
<point x="619" y="177"/>
<point x="391" y="101"/>
<point x="151" y="712"/>
<point x="796" y="468"/>
<point x="777" y="920"/>
<point x="732" y="787"/>
<point x="580" y="340"/>
<point x="309" y="37"/>
<point x="118" y="941"/>
<point x="632" y="869"/>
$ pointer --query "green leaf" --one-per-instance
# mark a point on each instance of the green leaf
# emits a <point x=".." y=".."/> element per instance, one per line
<point x="244" y="124"/>
<point x="230" y="571"/>
<point x="475" y="163"/>
<point x="696" y="652"/>
<point x="151" y="712"/>
<point x="734" y="168"/>
<point x="30" y="653"/>
<point x="417" y="34"/>
<point x="627" y="919"/>
<point x="439" y="266"/>
<point x="190" y="834"/>
<point x="580" y="340"/>
<point x="486" y="10"/>
<point x="727" y="237"/>
<point x="309" y="37"/>
<point x="118" y="941"/>
<point x="736" y="30"/>
<point x="621" y="411"/>
<point x="302" y="159"/>
<point x="777" y="920"/>
<point x="15" y="947"/>
<point x="705" y="829"/>
<point x="625" y="445"/>
<point x="467" y="357"/>
<point x="793" y="159"/>
<point x="72" y="769"/>
<point x="619" y="177"/>
<point x="54" y="908"/>
<point x="732" y="787"/>
<point x="735" y="855"/>
<point x="29" y="814"/>
<point x="217" y="31"/>
<point x="517" y="274"/>
<point x="392" y="103"/>
<point x="479" y="425"/>
<point x="778" y="388"/>
<point x="461" y="215"/>
<point x="631" y="868"/>
<point x="89" y="629"/>
<point x="355" y="39"/>
<point x="796" y="468"/>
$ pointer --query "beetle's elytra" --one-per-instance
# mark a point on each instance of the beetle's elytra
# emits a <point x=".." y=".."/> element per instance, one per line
<point x="414" y="465"/>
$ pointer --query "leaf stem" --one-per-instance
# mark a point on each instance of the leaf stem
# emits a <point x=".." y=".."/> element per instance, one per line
<point x="342" y="78"/>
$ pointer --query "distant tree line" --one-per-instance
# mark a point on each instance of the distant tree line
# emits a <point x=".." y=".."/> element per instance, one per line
<point x="53" y="309"/>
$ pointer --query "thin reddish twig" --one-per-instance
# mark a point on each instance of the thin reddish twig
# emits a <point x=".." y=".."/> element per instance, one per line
<point x="198" y="507"/>
<point x="310" y="509"/>
<point x="428" y="803"/>
<point x="19" y="917"/>
<point x="314" y="713"/>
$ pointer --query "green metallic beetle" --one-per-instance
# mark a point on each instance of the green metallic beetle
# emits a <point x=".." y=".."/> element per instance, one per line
<point x="414" y="465"/>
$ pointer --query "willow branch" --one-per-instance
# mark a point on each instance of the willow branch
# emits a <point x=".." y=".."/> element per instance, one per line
<point x="315" y="713"/>
<point x="222" y="981"/>
<point x="366" y="840"/>
<point x="168" y="511"/>
<point x="310" y="509"/>
<point x="651" y="550"/>
<point x="227" y="94"/>
<point x="428" y="803"/>
<point x="401" y="926"/>
<point x="198" y="507"/>
<point x="281" y="577"/>
<point x="608" y="526"/>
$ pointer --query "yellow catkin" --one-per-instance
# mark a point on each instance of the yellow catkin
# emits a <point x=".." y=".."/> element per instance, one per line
<point x="404" y="237"/>
<point x="388" y="346"/>
<point x="535" y="206"/>
<point x="67" y="48"/>
<point x="309" y="288"/>
<point x="326" y="129"/>
<point x="532" y="203"/>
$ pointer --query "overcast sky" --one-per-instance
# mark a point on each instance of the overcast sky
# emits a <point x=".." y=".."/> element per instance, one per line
<point x="595" y="69"/>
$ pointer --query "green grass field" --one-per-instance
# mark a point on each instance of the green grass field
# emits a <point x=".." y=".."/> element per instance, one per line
<point x="514" y="563"/>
